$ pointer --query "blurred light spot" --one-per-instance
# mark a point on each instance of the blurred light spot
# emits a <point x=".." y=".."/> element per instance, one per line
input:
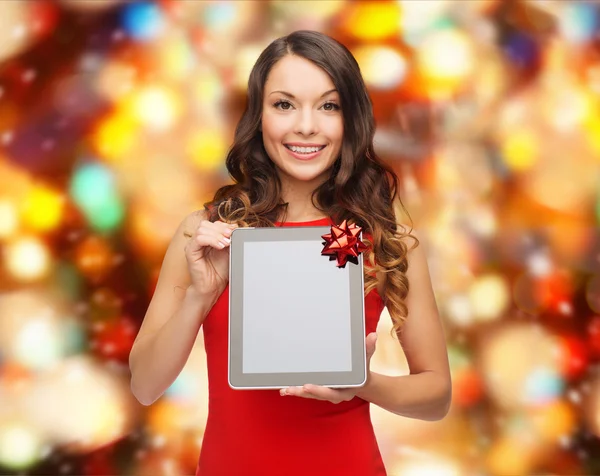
<point x="569" y="106"/>
<point x="13" y="34"/>
<point x="445" y="59"/>
<point x="419" y="18"/>
<point x="207" y="149"/>
<point x="489" y="297"/>
<point x="579" y="21"/>
<point x="157" y="107"/>
<point x="519" y="362"/>
<point x="520" y="149"/>
<point x="116" y="135"/>
<point x="458" y="310"/>
<point x="220" y="15"/>
<point x="244" y="62"/>
<point x="553" y="421"/>
<point x="539" y="264"/>
<point x="38" y="345"/>
<point x="432" y="466"/>
<point x="176" y="57"/>
<point x="374" y="20"/>
<point x="9" y="219"/>
<point x="20" y="446"/>
<point x="142" y="20"/>
<point x="382" y="67"/>
<point x="27" y="259"/>
<point x="94" y="191"/>
<point x="81" y="404"/>
<point x="43" y="208"/>
<point x="509" y="456"/>
<point x="542" y="386"/>
<point x="93" y="257"/>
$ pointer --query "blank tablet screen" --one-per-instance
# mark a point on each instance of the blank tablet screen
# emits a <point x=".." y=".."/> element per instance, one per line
<point x="294" y="333"/>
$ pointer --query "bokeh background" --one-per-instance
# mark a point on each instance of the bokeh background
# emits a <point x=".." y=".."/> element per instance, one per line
<point x="115" y="118"/>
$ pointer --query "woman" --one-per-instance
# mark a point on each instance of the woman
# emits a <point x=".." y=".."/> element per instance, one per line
<point x="302" y="155"/>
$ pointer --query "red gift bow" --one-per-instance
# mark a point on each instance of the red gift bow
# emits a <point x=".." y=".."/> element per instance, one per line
<point x="343" y="244"/>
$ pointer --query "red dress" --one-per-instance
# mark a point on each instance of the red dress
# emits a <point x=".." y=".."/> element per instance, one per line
<point x="260" y="433"/>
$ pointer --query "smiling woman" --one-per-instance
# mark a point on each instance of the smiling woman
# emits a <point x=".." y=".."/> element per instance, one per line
<point x="302" y="155"/>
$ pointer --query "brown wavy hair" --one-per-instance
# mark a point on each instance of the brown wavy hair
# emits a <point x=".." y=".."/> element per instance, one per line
<point x="360" y="188"/>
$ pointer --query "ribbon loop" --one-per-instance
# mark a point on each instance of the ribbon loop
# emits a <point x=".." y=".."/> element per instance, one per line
<point x="343" y="244"/>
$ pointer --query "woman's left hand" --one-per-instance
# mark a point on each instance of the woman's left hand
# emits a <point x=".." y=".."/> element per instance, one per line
<point x="333" y="395"/>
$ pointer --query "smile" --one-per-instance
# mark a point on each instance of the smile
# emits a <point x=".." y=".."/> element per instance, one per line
<point x="304" y="153"/>
<point x="304" y="150"/>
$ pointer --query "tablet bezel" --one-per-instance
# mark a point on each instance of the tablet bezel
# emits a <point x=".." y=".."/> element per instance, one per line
<point x="240" y="381"/>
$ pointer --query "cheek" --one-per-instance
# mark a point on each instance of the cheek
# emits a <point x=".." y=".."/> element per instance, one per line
<point x="273" y="128"/>
<point x="336" y="130"/>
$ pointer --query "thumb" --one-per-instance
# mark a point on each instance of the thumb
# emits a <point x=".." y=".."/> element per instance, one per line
<point x="370" y="344"/>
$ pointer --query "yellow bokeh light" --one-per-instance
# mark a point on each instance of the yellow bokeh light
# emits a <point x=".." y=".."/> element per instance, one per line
<point x="553" y="421"/>
<point x="382" y="67"/>
<point x="429" y="466"/>
<point x="207" y="149"/>
<point x="27" y="259"/>
<point x="510" y="354"/>
<point x="20" y="445"/>
<point x="244" y="61"/>
<point x="508" y="456"/>
<point x="374" y="20"/>
<point x="592" y="127"/>
<point x="115" y="137"/>
<point x="176" y="58"/>
<point x="157" y="107"/>
<point x="43" y="209"/>
<point x="9" y="219"/>
<point x="489" y="296"/>
<point x="444" y="60"/>
<point x="520" y="150"/>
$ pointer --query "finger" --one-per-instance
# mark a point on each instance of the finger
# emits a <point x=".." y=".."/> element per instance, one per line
<point x="334" y="395"/>
<point x="225" y="228"/>
<point x="219" y="229"/>
<point x="206" y="238"/>
<point x="297" y="392"/>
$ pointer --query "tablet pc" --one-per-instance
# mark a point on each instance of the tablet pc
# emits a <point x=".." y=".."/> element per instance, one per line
<point x="294" y="316"/>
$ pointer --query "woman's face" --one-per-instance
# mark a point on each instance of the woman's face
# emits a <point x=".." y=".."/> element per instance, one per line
<point x="302" y="124"/>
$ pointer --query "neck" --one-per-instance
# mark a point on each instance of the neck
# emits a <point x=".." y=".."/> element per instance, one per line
<point x="298" y="197"/>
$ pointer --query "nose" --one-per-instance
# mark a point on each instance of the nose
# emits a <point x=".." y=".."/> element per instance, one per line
<point x="306" y="123"/>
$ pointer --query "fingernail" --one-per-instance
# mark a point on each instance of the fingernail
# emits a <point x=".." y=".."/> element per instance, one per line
<point x="227" y="241"/>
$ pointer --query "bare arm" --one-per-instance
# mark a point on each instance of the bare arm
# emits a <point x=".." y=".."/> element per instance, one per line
<point x="171" y="324"/>
<point x="426" y="393"/>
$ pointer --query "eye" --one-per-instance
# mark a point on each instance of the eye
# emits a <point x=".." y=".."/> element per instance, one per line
<point x="331" y="106"/>
<point x="283" y="105"/>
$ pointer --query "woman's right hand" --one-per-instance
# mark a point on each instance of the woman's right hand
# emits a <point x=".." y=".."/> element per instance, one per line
<point x="207" y="255"/>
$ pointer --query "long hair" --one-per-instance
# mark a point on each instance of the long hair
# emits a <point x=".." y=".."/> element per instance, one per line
<point x="360" y="188"/>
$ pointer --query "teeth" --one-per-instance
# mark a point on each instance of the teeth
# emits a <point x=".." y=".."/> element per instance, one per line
<point x="304" y="150"/>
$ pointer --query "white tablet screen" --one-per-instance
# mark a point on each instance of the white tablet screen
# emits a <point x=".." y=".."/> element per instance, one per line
<point x="296" y="309"/>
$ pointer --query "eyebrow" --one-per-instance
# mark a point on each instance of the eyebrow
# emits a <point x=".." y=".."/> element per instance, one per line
<point x="291" y="96"/>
